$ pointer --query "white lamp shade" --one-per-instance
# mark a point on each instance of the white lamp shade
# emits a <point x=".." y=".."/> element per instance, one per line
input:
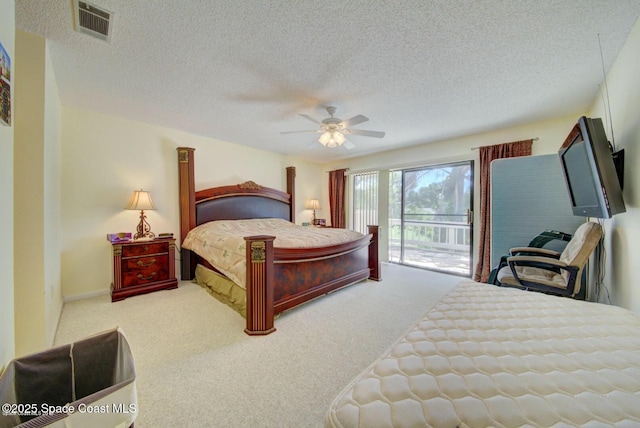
<point x="140" y="200"/>
<point x="324" y="138"/>
<point x="313" y="204"/>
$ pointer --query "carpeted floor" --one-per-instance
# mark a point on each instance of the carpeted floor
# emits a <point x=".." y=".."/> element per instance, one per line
<point x="197" y="368"/>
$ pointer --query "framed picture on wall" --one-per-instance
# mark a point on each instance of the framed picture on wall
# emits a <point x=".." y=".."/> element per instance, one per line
<point x="5" y="87"/>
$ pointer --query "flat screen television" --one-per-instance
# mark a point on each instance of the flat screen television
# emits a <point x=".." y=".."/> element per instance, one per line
<point x="593" y="181"/>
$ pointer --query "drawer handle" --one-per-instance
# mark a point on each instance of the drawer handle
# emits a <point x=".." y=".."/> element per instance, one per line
<point x="143" y="264"/>
<point x="146" y="278"/>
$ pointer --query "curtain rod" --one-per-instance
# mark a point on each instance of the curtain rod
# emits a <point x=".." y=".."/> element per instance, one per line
<point x="327" y="172"/>
<point x="533" y="139"/>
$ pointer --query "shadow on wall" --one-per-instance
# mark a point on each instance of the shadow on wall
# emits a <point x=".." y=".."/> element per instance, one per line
<point x="618" y="253"/>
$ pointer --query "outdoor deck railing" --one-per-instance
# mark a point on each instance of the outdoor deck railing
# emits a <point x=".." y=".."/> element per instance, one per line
<point x="441" y="245"/>
<point x="439" y="236"/>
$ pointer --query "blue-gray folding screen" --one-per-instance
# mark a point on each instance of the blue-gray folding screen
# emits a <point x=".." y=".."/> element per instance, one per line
<point x="528" y="196"/>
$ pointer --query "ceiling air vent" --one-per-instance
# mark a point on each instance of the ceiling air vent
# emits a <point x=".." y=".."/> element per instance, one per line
<point x="92" y="20"/>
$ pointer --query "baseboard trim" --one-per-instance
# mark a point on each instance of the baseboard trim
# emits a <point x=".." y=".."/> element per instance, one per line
<point x="86" y="295"/>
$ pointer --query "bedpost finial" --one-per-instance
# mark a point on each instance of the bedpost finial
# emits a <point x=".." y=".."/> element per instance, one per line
<point x="183" y="154"/>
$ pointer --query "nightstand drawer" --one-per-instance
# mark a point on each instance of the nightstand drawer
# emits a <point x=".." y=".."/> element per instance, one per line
<point x="142" y="267"/>
<point x="144" y="249"/>
<point x="143" y="270"/>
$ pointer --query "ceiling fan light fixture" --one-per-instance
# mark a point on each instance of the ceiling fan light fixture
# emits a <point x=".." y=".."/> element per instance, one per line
<point x="331" y="139"/>
<point x="333" y="130"/>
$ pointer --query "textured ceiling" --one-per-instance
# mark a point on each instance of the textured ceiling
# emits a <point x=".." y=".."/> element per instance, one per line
<point x="420" y="70"/>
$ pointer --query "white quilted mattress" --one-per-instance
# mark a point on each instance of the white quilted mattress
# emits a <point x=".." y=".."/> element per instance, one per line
<point x="491" y="356"/>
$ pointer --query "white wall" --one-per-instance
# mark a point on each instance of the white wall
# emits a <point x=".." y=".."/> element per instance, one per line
<point x="52" y="194"/>
<point x="105" y="158"/>
<point x="37" y="289"/>
<point x="623" y="230"/>
<point x="7" y="335"/>
<point x="28" y="199"/>
<point x="459" y="149"/>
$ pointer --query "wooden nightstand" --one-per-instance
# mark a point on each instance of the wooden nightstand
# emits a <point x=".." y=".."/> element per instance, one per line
<point x="143" y="266"/>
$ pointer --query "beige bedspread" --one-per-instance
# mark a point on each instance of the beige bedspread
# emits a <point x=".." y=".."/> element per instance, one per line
<point x="222" y="242"/>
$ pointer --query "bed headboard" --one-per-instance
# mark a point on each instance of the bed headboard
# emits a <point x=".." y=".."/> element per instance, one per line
<point x="235" y="202"/>
<point x="241" y="201"/>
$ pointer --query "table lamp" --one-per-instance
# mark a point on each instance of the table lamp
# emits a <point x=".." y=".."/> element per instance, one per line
<point x="314" y="205"/>
<point x="141" y="200"/>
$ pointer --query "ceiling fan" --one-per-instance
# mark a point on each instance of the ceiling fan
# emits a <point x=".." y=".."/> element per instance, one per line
<point x="333" y="130"/>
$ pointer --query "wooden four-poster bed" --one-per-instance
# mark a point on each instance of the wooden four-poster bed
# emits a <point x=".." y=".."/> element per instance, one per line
<point x="276" y="279"/>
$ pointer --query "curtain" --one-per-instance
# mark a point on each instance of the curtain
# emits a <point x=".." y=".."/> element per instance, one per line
<point x="337" y="186"/>
<point x="487" y="155"/>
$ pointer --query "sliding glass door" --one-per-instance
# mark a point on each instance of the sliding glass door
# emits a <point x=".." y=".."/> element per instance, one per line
<point x="430" y="217"/>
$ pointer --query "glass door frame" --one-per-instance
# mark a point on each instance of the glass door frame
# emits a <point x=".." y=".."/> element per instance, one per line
<point x="469" y="215"/>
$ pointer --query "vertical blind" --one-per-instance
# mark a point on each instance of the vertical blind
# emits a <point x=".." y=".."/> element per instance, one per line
<point x="365" y="200"/>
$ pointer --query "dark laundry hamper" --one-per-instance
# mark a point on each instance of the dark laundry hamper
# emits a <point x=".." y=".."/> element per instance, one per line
<point x="88" y="383"/>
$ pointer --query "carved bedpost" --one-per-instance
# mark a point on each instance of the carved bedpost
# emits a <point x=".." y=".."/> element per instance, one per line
<point x="291" y="190"/>
<point x="374" y="254"/>
<point x="259" y="285"/>
<point x="187" y="198"/>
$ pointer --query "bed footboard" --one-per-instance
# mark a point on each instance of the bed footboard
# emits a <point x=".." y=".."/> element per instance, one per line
<point x="280" y="279"/>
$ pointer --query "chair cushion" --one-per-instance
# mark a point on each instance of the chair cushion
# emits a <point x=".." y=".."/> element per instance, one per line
<point x="579" y="249"/>
<point x="532" y="274"/>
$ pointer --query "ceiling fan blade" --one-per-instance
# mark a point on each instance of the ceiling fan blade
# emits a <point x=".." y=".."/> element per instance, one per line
<point x="348" y="145"/>
<point x="354" y="120"/>
<point x="295" y="132"/>
<point x="375" y="134"/>
<point x="310" y="118"/>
